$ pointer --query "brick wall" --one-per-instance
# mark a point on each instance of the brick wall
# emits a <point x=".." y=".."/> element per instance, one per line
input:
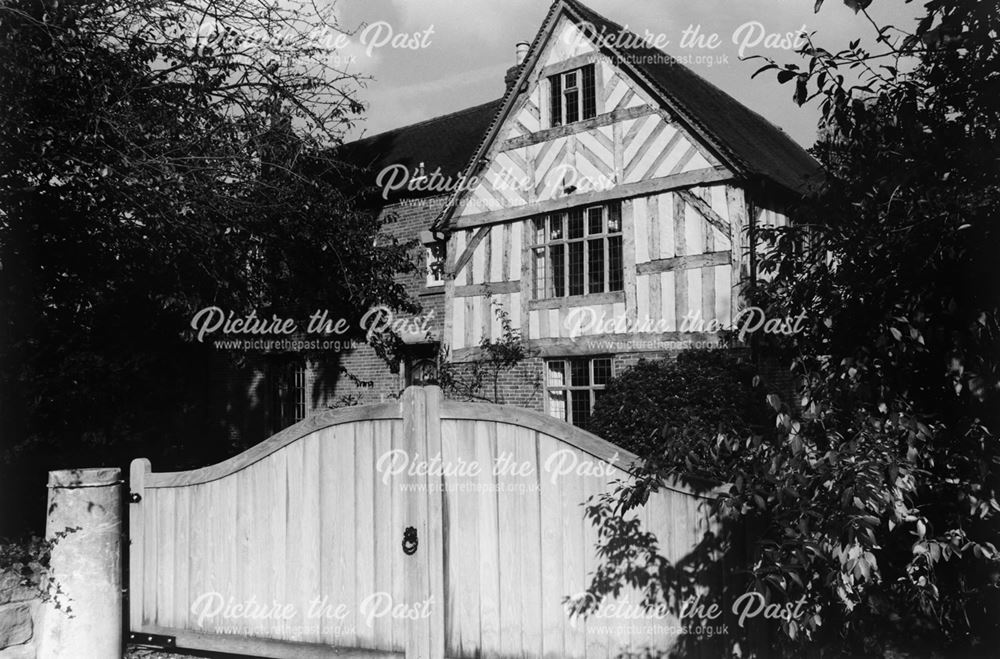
<point x="380" y="381"/>
<point x="521" y="386"/>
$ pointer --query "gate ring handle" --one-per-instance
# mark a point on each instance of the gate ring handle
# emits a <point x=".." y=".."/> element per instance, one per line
<point x="410" y="541"/>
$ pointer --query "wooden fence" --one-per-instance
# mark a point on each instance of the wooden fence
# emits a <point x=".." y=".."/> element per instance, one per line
<point x="418" y="528"/>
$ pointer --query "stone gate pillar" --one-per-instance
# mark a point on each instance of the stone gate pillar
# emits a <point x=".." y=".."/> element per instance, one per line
<point x="85" y="519"/>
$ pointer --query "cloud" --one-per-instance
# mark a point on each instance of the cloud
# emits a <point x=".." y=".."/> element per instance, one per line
<point x="473" y="44"/>
<point x="471" y="21"/>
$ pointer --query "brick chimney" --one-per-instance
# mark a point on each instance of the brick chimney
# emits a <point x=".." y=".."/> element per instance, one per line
<point x="520" y="52"/>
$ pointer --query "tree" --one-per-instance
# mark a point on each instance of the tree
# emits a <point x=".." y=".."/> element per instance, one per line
<point x="156" y="158"/>
<point x="874" y="497"/>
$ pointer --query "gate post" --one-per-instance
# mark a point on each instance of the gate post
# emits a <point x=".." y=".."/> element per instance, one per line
<point x="435" y="513"/>
<point x="85" y="520"/>
<point x="421" y="411"/>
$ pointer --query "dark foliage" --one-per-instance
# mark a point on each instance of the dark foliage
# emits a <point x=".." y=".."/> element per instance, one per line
<point x="156" y="160"/>
<point x="877" y="504"/>
<point x="671" y="411"/>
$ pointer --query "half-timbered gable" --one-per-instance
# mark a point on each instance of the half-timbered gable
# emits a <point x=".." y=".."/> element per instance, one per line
<point x="606" y="216"/>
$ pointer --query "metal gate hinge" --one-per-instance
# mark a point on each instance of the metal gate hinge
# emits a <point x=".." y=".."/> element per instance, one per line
<point x="158" y="640"/>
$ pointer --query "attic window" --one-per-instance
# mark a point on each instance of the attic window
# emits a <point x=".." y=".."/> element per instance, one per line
<point x="573" y="96"/>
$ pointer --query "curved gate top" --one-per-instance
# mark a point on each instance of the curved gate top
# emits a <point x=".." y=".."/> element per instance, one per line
<point x="417" y="528"/>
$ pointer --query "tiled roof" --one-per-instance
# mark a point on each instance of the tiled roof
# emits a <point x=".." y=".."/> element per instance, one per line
<point x="749" y="141"/>
<point x="745" y="140"/>
<point x="446" y="142"/>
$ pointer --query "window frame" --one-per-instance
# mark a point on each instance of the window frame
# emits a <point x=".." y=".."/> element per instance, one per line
<point x="286" y="392"/>
<point x="543" y="285"/>
<point x="434" y="267"/>
<point x="567" y="387"/>
<point x="584" y="79"/>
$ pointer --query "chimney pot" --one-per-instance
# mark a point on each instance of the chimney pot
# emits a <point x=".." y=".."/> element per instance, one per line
<point x="520" y="52"/>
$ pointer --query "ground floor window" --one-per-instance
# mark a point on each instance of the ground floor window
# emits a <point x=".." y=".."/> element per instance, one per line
<point x="573" y="385"/>
<point x="286" y="384"/>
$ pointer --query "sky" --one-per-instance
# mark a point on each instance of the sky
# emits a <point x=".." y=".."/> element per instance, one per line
<point x="453" y="53"/>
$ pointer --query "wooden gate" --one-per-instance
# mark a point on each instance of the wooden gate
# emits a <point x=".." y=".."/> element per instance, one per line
<point x="419" y="528"/>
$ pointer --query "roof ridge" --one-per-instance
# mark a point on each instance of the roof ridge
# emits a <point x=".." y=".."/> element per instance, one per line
<point x="423" y="122"/>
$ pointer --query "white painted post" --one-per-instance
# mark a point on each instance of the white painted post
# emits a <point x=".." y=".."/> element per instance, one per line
<point x="84" y="518"/>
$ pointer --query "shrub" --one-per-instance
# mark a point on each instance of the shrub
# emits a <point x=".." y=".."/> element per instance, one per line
<point x="670" y="411"/>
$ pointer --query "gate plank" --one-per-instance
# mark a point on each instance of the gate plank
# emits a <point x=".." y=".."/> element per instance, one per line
<point x="464" y="569"/>
<point x="264" y="536"/>
<point x="597" y="632"/>
<point x="529" y="547"/>
<point x="217" y="541"/>
<point x="182" y="603"/>
<point x="511" y="557"/>
<point x="241" y="576"/>
<point x="151" y="583"/>
<point x="435" y="538"/>
<point x="386" y="523"/>
<point x="279" y="500"/>
<point x="198" y="542"/>
<point x="295" y="585"/>
<point x="365" y="483"/>
<point x="311" y="537"/>
<point x="573" y="550"/>
<point x="450" y="513"/>
<point x="553" y="618"/>
<point x="345" y="528"/>
<point x="138" y="470"/>
<point x="254" y="568"/>
<point x="329" y="499"/>
<point x="226" y="534"/>
<point x="165" y="539"/>
<point x="489" y="541"/>
<point x="417" y="586"/>
<point x="394" y="550"/>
